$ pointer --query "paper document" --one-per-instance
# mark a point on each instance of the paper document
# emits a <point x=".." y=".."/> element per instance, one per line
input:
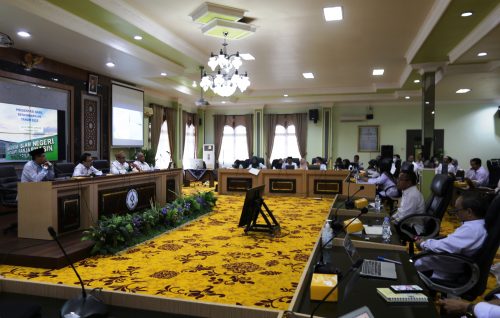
<point x="254" y="171"/>
<point x="373" y="229"/>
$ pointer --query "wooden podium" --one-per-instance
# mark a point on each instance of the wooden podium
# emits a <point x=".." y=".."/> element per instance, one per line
<point x="75" y="204"/>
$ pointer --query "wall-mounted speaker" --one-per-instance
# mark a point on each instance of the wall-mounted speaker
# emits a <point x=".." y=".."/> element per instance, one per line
<point x="369" y="116"/>
<point x="314" y="115"/>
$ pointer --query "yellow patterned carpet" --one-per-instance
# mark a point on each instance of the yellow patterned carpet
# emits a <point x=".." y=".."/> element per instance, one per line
<point x="209" y="259"/>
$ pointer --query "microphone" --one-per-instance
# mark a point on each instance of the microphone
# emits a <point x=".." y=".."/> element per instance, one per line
<point x="349" y="204"/>
<point x="325" y="267"/>
<point x="85" y="305"/>
<point x="335" y="217"/>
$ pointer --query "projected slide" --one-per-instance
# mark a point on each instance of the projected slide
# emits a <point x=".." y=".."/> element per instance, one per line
<point x="24" y="128"/>
<point x="127" y="127"/>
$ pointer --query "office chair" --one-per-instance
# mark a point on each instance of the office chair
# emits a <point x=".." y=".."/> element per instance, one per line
<point x="102" y="165"/>
<point x="8" y="191"/>
<point x="297" y="161"/>
<point x="494" y="171"/>
<point x="427" y="225"/>
<point x="473" y="282"/>
<point x="63" y="169"/>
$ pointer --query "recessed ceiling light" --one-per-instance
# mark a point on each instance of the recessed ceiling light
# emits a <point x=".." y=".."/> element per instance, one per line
<point x="247" y="56"/>
<point x="55" y="79"/>
<point x="23" y="34"/>
<point x="110" y="64"/>
<point x="482" y="54"/>
<point x="163" y="74"/>
<point x="466" y="14"/>
<point x="137" y="37"/>
<point x="378" y="71"/>
<point x="416" y="81"/>
<point x="223" y="102"/>
<point x="432" y="112"/>
<point x="308" y="75"/>
<point x="407" y="97"/>
<point x="427" y="103"/>
<point x="463" y="90"/>
<point x="333" y="13"/>
<point x="194" y="84"/>
<point x="285" y="95"/>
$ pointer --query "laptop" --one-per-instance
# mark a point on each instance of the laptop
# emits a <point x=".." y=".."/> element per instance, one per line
<point x="370" y="268"/>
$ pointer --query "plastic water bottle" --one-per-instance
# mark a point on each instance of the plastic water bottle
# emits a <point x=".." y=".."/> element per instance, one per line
<point x="327" y="235"/>
<point x="377" y="203"/>
<point x="386" y="230"/>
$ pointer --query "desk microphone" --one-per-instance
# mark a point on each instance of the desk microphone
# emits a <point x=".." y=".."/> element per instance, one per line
<point x="327" y="268"/>
<point x="85" y="305"/>
<point x="335" y="218"/>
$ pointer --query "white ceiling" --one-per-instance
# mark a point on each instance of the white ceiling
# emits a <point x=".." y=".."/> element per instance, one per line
<point x="291" y="38"/>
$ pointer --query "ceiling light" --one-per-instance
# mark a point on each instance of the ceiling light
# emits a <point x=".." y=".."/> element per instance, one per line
<point x="163" y="74"/>
<point x="223" y="102"/>
<point x="247" y="56"/>
<point x="194" y="84"/>
<point x="427" y="103"/>
<point x="416" y="81"/>
<point x="378" y="71"/>
<point x="432" y="112"/>
<point x="23" y="34"/>
<point x="110" y="64"/>
<point x="137" y="37"/>
<point x="308" y="75"/>
<point x="466" y="14"/>
<point x="407" y="97"/>
<point x="333" y="13"/>
<point x="463" y="90"/>
<point x="55" y="79"/>
<point x="227" y="78"/>
<point x="285" y="95"/>
<point x="482" y="54"/>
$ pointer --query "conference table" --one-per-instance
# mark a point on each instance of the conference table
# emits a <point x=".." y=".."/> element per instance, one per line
<point x="73" y="204"/>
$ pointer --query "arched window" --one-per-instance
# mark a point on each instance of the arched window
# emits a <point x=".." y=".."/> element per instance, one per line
<point x="162" y="157"/>
<point x="234" y="145"/>
<point x="285" y="143"/>
<point x="189" y="147"/>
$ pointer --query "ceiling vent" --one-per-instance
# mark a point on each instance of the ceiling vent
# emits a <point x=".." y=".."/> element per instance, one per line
<point x="350" y="118"/>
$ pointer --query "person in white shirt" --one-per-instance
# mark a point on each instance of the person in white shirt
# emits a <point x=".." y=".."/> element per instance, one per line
<point x="418" y="165"/>
<point x="356" y="163"/>
<point x="412" y="201"/>
<point x="140" y="163"/>
<point x="289" y="162"/>
<point x="303" y="164"/>
<point x="120" y="165"/>
<point x="477" y="174"/>
<point x="467" y="240"/>
<point x="321" y="163"/>
<point x="482" y="309"/>
<point x="451" y="169"/>
<point x="85" y="168"/>
<point x="38" y="168"/>
<point x="254" y="163"/>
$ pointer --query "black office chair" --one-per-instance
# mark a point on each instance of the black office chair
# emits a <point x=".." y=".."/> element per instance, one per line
<point x="494" y="171"/>
<point x="297" y="161"/>
<point x="63" y="169"/>
<point x="427" y="225"/>
<point x="476" y="269"/>
<point x="8" y="191"/>
<point x="260" y="160"/>
<point x="245" y="163"/>
<point x="406" y="166"/>
<point x="275" y="164"/>
<point x="102" y="165"/>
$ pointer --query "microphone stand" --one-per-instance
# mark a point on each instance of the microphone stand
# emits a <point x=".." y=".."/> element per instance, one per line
<point x="349" y="204"/>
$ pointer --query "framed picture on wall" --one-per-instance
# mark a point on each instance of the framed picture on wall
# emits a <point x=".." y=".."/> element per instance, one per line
<point x="368" y="139"/>
<point x="93" y="80"/>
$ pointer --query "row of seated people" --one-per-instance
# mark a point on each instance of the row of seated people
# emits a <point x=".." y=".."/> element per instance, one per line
<point x="318" y="163"/>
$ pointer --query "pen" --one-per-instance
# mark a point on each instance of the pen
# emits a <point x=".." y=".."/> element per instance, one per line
<point x="383" y="259"/>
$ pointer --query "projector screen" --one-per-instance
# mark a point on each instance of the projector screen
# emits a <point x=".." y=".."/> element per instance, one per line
<point x="24" y="128"/>
<point x="127" y="117"/>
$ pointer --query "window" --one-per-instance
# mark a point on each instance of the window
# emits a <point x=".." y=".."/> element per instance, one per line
<point x="189" y="147"/>
<point x="162" y="158"/>
<point x="285" y="143"/>
<point x="234" y="145"/>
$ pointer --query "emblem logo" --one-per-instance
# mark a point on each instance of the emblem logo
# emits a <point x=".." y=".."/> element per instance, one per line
<point x="132" y="199"/>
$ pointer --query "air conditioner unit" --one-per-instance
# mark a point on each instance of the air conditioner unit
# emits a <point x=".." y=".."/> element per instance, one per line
<point x="352" y="118"/>
<point x="209" y="155"/>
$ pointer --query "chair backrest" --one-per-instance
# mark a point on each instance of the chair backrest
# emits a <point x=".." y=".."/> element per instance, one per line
<point x="7" y="172"/>
<point x="297" y="161"/>
<point x="102" y="165"/>
<point x="441" y="192"/>
<point x="274" y="164"/>
<point x="63" y="169"/>
<point x="494" y="171"/>
<point x="8" y="180"/>
<point x="261" y="160"/>
<point x="484" y="258"/>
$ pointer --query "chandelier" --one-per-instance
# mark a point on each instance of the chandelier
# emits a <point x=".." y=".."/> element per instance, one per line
<point x="227" y="78"/>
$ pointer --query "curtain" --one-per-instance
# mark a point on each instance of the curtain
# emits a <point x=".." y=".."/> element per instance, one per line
<point x="170" y="116"/>
<point x="189" y="119"/>
<point x="270" y="122"/>
<point x="156" y="122"/>
<point x="248" y="123"/>
<point x="219" y="123"/>
<point x="300" y="123"/>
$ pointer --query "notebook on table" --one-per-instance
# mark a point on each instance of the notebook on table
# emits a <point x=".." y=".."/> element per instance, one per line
<point x="393" y="297"/>
<point x="370" y="268"/>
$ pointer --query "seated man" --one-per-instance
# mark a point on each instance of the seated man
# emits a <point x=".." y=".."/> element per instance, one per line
<point x="477" y="174"/>
<point x="85" y="168"/>
<point x="289" y="162"/>
<point x="321" y="163"/>
<point x="412" y="201"/>
<point x="356" y="163"/>
<point x="140" y="162"/>
<point x="120" y="165"/>
<point x="38" y="168"/>
<point x="446" y="166"/>
<point x="254" y="163"/>
<point x="466" y="240"/>
<point x="482" y="309"/>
